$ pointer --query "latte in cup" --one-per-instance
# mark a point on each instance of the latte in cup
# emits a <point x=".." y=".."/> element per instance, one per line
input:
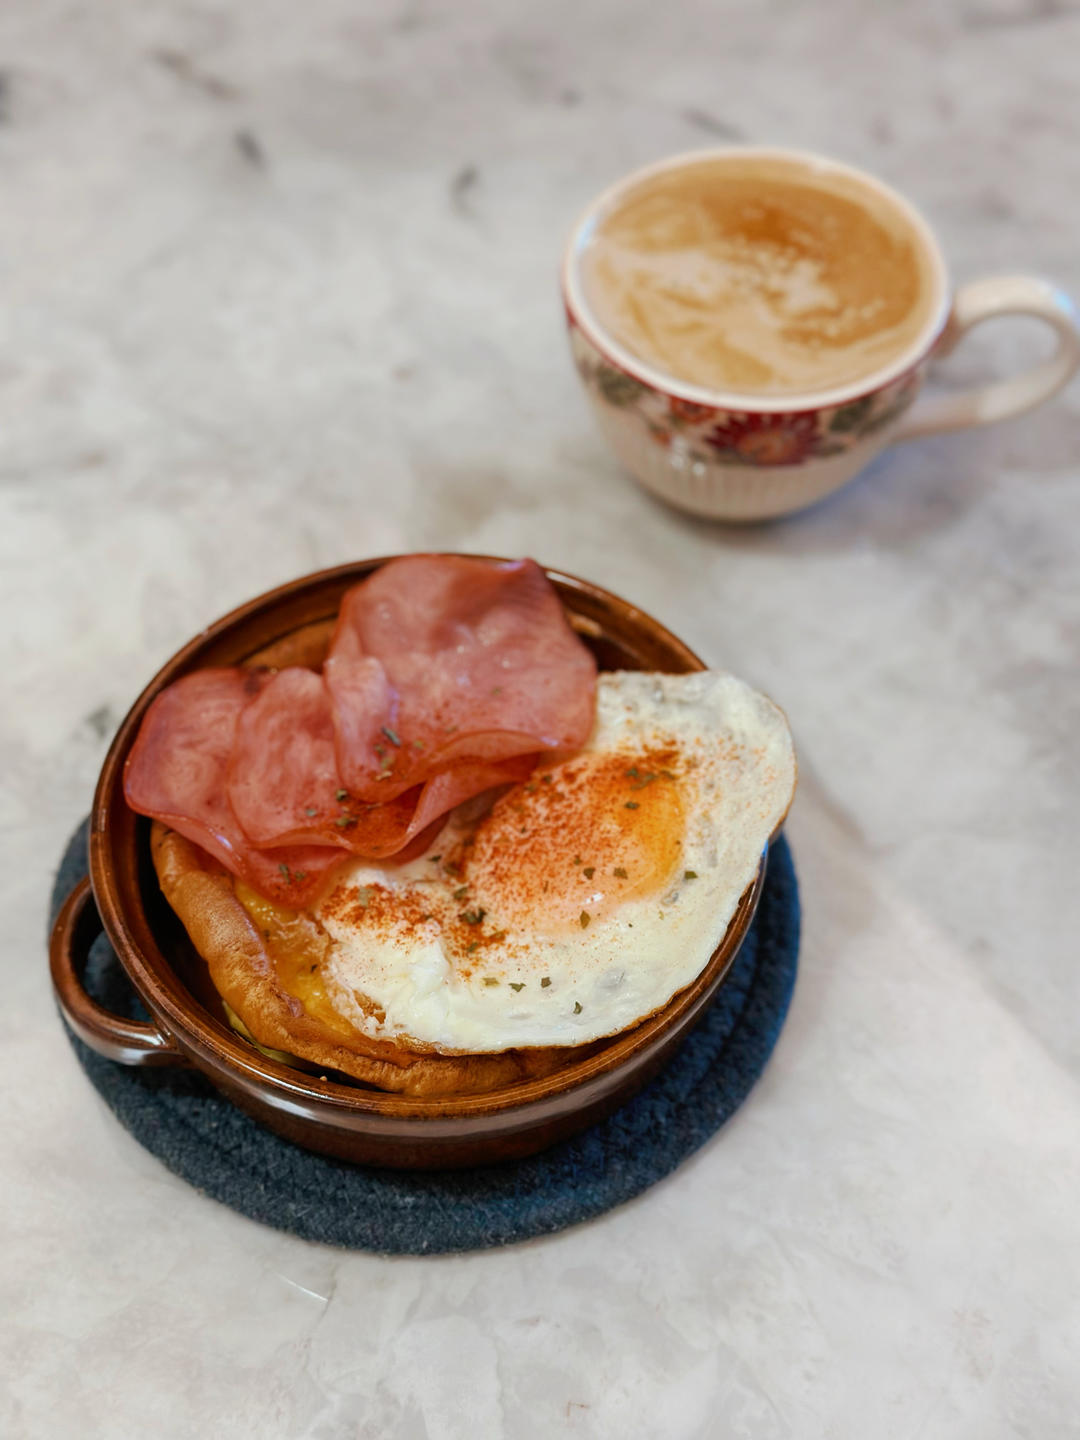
<point x="758" y="276"/>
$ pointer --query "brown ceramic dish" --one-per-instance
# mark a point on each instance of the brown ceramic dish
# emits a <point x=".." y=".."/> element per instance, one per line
<point x="188" y="1025"/>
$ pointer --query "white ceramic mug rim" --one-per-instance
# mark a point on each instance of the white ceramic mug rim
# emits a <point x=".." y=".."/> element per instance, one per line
<point x="747" y="401"/>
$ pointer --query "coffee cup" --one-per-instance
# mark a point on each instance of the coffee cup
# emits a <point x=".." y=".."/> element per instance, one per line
<point x="753" y="325"/>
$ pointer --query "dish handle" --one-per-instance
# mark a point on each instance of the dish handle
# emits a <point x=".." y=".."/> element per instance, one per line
<point x="130" y="1042"/>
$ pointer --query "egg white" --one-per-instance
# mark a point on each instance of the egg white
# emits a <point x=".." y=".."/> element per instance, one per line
<point x="736" y="778"/>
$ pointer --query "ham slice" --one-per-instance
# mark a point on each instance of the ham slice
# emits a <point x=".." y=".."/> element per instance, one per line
<point x="283" y="780"/>
<point x="285" y="789"/>
<point x="481" y="663"/>
<point x="176" y="773"/>
<point x="446" y="677"/>
<point x="462" y="781"/>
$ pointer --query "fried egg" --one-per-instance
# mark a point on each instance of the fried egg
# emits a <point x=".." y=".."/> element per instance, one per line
<point x="586" y="897"/>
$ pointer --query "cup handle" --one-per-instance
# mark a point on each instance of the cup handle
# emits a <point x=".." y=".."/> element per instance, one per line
<point x="1001" y="399"/>
<point x="77" y="927"/>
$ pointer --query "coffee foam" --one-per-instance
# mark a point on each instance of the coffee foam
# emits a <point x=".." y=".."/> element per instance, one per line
<point x="758" y="276"/>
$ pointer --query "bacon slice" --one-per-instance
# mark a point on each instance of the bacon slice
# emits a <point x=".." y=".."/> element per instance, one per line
<point x="176" y="773"/>
<point x="285" y="789"/>
<point x="481" y="662"/>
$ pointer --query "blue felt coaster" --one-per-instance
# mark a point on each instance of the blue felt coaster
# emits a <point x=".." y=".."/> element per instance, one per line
<point x="179" y="1117"/>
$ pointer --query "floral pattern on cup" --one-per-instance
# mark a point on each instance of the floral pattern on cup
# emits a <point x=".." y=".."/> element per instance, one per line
<point x="738" y="437"/>
<point x="764" y="439"/>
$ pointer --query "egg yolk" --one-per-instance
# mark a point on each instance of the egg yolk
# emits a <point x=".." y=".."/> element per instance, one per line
<point x="297" y="946"/>
<point x="578" y="840"/>
<point x="567" y="847"/>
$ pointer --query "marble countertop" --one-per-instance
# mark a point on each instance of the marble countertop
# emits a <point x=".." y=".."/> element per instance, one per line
<point x="277" y="290"/>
